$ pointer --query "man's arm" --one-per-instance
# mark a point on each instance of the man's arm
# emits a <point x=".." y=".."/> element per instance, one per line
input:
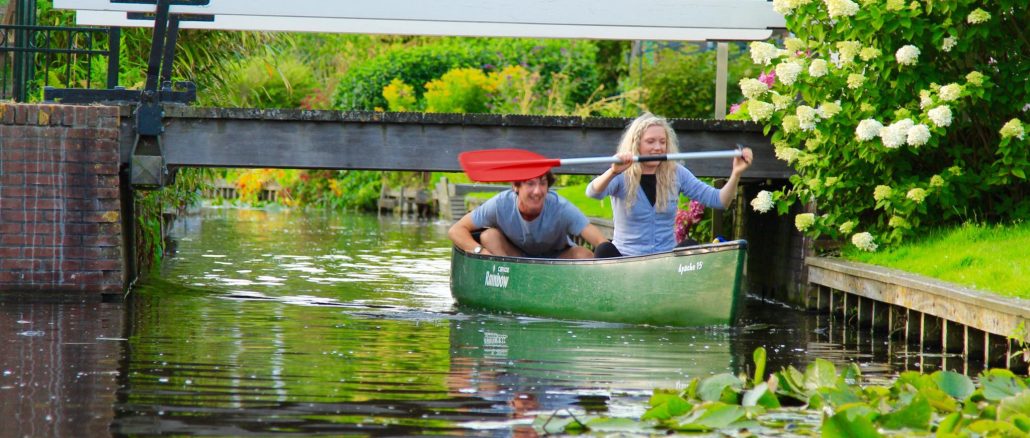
<point x="461" y="234"/>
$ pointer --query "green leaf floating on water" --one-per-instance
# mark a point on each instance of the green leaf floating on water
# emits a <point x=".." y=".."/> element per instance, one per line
<point x="848" y="425"/>
<point x="665" y="405"/>
<point x="713" y="388"/>
<point x="954" y="384"/>
<point x="715" y="415"/>
<point x="998" y="384"/>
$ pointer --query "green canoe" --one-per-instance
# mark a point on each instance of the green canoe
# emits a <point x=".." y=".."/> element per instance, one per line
<point x="694" y="286"/>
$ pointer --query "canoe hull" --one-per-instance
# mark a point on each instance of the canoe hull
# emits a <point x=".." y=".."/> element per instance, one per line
<point x="695" y="286"/>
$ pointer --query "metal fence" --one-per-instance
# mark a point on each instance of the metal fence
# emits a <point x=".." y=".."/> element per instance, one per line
<point x="33" y="57"/>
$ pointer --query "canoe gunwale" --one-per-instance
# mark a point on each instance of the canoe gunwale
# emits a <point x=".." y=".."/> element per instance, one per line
<point x="732" y="245"/>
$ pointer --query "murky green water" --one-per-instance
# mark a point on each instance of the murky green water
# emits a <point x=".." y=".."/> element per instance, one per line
<point x="308" y="323"/>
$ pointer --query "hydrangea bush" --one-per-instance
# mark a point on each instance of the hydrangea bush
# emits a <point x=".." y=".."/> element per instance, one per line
<point x="897" y="115"/>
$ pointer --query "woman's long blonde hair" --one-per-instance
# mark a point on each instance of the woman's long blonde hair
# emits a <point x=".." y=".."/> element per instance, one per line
<point x="666" y="173"/>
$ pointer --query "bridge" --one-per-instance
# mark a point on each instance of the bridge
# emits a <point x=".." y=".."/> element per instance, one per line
<point x="233" y="137"/>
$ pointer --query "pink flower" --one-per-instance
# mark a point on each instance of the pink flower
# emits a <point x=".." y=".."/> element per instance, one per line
<point x="734" y="108"/>
<point x="685" y="219"/>
<point x="769" y="79"/>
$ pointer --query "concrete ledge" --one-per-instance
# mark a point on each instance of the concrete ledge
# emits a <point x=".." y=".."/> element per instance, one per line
<point x="981" y="310"/>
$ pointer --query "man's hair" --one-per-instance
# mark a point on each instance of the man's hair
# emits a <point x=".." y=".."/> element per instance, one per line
<point x="549" y="175"/>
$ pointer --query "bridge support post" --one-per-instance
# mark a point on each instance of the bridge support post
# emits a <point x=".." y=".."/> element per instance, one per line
<point x="61" y="215"/>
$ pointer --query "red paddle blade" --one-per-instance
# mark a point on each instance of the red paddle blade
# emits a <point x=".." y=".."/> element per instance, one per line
<point x="503" y="165"/>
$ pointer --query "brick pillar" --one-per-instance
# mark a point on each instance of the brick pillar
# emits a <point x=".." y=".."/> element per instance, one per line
<point x="60" y="211"/>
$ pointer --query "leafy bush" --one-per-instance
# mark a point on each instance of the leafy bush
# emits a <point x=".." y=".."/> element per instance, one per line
<point x="361" y="86"/>
<point x="681" y="83"/>
<point x="400" y="96"/>
<point x="898" y="115"/>
<point x="462" y="90"/>
<point x="270" y="81"/>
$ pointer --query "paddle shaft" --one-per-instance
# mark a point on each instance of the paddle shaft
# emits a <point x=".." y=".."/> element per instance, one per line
<point x="643" y="158"/>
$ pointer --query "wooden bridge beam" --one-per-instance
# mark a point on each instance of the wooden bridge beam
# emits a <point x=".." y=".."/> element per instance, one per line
<point x="217" y="137"/>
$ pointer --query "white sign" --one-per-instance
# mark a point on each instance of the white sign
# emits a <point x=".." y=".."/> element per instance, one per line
<point x="686" y="20"/>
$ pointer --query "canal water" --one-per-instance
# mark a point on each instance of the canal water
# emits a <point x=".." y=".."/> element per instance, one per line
<point x="288" y="322"/>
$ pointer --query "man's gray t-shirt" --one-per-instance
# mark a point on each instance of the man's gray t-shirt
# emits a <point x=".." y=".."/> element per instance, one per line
<point x="545" y="236"/>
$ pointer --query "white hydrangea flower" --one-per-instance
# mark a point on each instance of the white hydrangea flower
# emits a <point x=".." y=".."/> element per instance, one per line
<point x="794" y="44"/>
<point x="869" y="53"/>
<point x="907" y="55"/>
<point x="829" y="109"/>
<point x="807" y="116"/>
<point x="864" y="242"/>
<point x="838" y="8"/>
<point x="790" y="123"/>
<point x="978" y="16"/>
<point x="759" y="110"/>
<point x="976" y="78"/>
<point x="855" y="80"/>
<point x="846" y="227"/>
<point x="917" y="194"/>
<point x="781" y="101"/>
<point x="847" y="51"/>
<point x="752" y="88"/>
<point x="787" y="154"/>
<point x="905" y="124"/>
<point x="881" y="192"/>
<point x="924" y="99"/>
<point x="763" y="202"/>
<point x="948" y="44"/>
<point x="763" y="53"/>
<point x="918" y="135"/>
<point x="894" y="135"/>
<point x="1013" y="128"/>
<point x="804" y="221"/>
<point x="868" y="129"/>
<point x="950" y="92"/>
<point x="787" y="72"/>
<point x="818" y="68"/>
<point x="784" y="7"/>
<point x="940" y="116"/>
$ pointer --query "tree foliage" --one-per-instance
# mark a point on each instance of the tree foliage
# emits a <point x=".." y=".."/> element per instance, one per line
<point x="898" y="115"/>
<point x="682" y="83"/>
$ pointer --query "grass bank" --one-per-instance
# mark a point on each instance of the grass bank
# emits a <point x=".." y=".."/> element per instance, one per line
<point x="576" y="194"/>
<point x="993" y="258"/>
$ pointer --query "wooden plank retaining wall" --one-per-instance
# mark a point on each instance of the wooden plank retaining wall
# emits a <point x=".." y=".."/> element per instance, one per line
<point x="946" y="317"/>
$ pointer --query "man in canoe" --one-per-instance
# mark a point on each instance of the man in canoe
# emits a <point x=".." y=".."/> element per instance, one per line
<point x="645" y="195"/>
<point x="527" y="220"/>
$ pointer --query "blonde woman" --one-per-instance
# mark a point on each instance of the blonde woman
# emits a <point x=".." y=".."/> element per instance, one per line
<point x="645" y="195"/>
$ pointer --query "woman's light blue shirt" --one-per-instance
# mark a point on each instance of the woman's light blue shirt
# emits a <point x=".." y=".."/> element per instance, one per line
<point x="644" y="230"/>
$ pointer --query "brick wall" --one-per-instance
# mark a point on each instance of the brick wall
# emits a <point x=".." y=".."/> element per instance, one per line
<point x="60" y="211"/>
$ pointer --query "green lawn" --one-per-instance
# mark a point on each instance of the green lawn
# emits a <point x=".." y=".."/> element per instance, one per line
<point x="985" y="257"/>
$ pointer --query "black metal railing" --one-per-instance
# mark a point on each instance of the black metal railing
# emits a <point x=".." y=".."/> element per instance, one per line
<point x="33" y="57"/>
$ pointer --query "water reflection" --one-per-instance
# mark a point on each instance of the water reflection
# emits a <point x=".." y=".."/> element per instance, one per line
<point x="308" y="323"/>
<point x="59" y="366"/>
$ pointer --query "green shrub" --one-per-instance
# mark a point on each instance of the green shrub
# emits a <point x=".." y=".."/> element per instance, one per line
<point x="361" y="86"/>
<point x="271" y="81"/>
<point x="400" y="96"/>
<point x="462" y="90"/>
<point x="898" y="116"/>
